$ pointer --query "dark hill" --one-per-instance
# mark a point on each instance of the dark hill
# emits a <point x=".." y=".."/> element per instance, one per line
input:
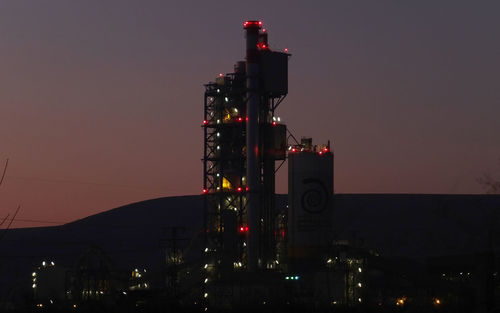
<point x="414" y="226"/>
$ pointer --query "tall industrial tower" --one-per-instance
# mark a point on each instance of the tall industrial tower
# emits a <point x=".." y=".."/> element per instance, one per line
<point x="254" y="249"/>
<point x="243" y="139"/>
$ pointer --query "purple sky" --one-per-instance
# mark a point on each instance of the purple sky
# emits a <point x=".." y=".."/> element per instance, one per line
<point x="101" y="101"/>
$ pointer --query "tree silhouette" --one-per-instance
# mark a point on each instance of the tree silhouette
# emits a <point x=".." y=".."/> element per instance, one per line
<point x="1" y="182"/>
<point x="7" y="216"/>
<point x="490" y="183"/>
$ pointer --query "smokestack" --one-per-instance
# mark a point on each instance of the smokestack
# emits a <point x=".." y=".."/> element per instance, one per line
<point x="252" y="142"/>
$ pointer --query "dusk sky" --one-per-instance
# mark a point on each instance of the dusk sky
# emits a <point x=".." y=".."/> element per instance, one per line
<point x="101" y="102"/>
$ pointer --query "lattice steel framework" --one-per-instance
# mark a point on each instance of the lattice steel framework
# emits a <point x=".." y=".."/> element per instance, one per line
<point x="224" y="161"/>
<point x="224" y="167"/>
<point x="240" y="216"/>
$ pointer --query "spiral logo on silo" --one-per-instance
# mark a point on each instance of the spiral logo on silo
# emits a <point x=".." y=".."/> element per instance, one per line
<point x="315" y="196"/>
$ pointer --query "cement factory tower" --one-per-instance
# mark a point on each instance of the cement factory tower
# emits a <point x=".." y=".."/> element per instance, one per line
<point x="253" y="248"/>
<point x="243" y="139"/>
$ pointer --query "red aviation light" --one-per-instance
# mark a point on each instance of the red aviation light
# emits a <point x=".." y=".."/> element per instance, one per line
<point x="286" y="50"/>
<point x="205" y="191"/>
<point x="248" y="24"/>
<point x="243" y="229"/>
<point x="274" y="124"/>
<point x="221" y="75"/>
<point x="294" y="150"/>
<point x="324" y="150"/>
<point x="239" y="189"/>
<point x="246" y="189"/>
<point x="240" y="119"/>
<point x="205" y="122"/>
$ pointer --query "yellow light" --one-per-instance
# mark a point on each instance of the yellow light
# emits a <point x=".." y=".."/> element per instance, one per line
<point x="400" y="301"/>
<point x="437" y="301"/>
<point x="226" y="184"/>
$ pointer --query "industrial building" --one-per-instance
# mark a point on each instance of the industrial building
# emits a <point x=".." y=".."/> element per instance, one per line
<point x="246" y="235"/>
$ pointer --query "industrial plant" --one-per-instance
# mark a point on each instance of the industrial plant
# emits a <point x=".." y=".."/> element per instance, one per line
<point x="240" y="247"/>
<point x="253" y="246"/>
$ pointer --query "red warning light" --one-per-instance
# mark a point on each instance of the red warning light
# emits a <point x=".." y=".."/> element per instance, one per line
<point x="286" y="50"/>
<point x="264" y="30"/>
<point x="239" y="189"/>
<point x="205" y="191"/>
<point x="248" y="24"/>
<point x="294" y="150"/>
<point x="220" y="74"/>
<point x="246" y="189"/>
<point x="243" y="229"/>
<point x="240" y="119"/>
<point x="274" y="124"/>
<point x="205" y="122"/>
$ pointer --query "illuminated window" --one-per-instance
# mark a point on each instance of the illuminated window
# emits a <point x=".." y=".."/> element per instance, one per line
<point x="226" y="184"/>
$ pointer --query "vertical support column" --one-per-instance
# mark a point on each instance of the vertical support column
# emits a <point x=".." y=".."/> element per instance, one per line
<point x="252" y="142"/>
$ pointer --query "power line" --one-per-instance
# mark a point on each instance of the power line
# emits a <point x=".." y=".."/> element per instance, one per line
<point x="80" y="182"/>
<point x="37" y="221"/>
